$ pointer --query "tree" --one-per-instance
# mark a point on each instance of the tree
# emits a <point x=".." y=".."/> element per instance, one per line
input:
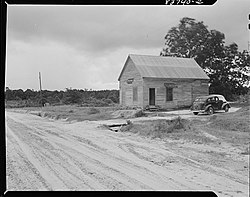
<point x="72" y="96"/>
<point x="19" y="94"/>
<point x="186" y="40"/>
<point x="225" y="65"/>
<point x="8" y="94"/>
<point x="114" y="96"/>
<point x="29" y="94"/>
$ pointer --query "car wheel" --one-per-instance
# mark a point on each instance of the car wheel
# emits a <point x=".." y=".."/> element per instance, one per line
<point x="210" y="110"/>
<point x="226" y="108"/>
<point x="195" y="113"/>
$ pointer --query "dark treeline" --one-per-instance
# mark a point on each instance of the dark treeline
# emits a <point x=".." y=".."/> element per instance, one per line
<point x="69" y="96"/>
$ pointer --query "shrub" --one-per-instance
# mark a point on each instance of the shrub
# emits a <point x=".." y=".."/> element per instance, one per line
<point x="127" y="127"/>
<point x="140" y="113"/>
<point x="158" y="128"/>
<point x="129" y="122"/>
<point x="108" y="101"/>
<point x="57" y="117"/>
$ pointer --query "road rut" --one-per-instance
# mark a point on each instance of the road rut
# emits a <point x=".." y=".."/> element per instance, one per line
<point x="44" y="154"/>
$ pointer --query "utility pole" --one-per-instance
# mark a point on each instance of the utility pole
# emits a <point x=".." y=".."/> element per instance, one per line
<point x="40" y="82"/>
<point x="249" y="33"/>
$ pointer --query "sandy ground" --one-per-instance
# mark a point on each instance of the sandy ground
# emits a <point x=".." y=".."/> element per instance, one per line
<point x="186" y="114"/>
<point x="45" y="154"/>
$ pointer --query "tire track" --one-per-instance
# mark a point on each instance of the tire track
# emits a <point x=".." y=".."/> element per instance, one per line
<point x="40" y="151"/>
<point x="49" y="161"/>
<point x="51" y="180"/>
<point x="81" y="157"/>
<point x="87" y="145"/>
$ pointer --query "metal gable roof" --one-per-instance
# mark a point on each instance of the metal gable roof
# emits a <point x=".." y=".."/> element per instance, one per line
<point x="167" y="67"/>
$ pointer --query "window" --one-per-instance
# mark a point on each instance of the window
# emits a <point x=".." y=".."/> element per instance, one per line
<point x="169" y="94"/>
<point x="212" y="99"/>
<point x="135" y="94"/>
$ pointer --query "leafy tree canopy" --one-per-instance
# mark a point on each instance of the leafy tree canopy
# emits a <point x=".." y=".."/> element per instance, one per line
<point x="227" y="68"/>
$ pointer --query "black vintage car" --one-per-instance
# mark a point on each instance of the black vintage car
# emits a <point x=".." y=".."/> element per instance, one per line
<point x="209" y="104"/>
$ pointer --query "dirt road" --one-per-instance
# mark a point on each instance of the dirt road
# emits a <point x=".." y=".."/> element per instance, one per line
<point x="44" y="154"/>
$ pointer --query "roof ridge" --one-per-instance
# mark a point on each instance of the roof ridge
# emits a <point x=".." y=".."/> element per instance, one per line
<point x="161" y="56"/>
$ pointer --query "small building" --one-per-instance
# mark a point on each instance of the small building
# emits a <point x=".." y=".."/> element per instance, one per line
<point x="167" y="82"/>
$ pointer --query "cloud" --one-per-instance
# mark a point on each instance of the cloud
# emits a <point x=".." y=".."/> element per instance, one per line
<point x="88" y="28"/>
<point x="102" y="28"/>
<point x="86" y="46"/>
<point x="64" y="67"/>
<point x="58" y="64"/>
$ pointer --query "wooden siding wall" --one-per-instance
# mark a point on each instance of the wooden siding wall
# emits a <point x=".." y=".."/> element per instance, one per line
<point x="183" y="94"/>
<point x="200" y="88"/>
<point x="126" y="90"/>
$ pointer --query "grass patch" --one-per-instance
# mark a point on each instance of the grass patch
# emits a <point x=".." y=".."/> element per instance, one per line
<point x="236" y="121"/>
<point x="73" y="112"/>
<point x="93" y="110"/>
<point x="132" y="113"/>
<point x="231" y="127"/>
<point x="175" y="129"/>
<point x="158" y="128"/>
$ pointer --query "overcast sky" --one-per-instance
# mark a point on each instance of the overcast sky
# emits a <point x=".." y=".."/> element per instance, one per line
<point x="87" y="46"/>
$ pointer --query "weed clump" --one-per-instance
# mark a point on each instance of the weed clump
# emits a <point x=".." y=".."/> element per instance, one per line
<point x="158" y="128"/>
<point x="139" y="113"/>
<point x="93" y="110"/>
<point x="57" y="117"/>
<point x="247" y="151"/>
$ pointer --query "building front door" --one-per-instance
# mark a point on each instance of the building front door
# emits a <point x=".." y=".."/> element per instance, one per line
<point x="129" y="97"/>
<point x="151" y="96"/>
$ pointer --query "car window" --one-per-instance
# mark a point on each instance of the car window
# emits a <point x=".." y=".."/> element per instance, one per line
<point x="211" y="99"/>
